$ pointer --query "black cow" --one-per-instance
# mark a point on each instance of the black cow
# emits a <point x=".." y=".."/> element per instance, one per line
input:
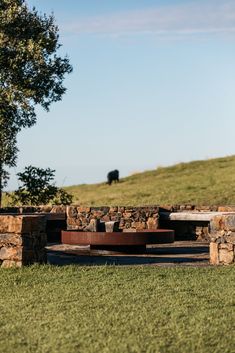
<point x="113" y="176"/>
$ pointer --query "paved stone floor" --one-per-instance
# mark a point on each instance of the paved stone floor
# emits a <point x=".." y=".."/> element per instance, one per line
<point x="180" y="253"/>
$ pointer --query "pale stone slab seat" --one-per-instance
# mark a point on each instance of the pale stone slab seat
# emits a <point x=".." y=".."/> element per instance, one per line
<point x="192" y="216"/>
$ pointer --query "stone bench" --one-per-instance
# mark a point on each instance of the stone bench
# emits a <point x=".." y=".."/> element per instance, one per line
<point x="190" y="225"/>
<point x="221" y="232"/>
<point x="192" y="216"/>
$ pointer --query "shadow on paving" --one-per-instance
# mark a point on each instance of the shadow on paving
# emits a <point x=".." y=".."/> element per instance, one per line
<point x="180" y="254"/>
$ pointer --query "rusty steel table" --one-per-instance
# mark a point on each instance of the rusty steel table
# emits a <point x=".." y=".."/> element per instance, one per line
<point x="118" y="241"/>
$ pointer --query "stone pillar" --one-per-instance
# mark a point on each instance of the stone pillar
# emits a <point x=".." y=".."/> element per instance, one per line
<point x="222" y="245"/>
<point x="22" y="240"/>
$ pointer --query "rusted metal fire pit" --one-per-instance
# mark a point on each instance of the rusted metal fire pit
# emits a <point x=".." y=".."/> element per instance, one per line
<point x="118" y="241"/>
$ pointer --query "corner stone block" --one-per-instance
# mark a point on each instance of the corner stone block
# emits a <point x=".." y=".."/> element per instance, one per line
<point x="224" y="222"/>
<point x="226" y="246"/>
<point x="152" y="223"/>
<point x="22" y="224"/>
<point x="71" y="212"/>
<point x="11" y="253"/>
<point x="216" y="224"/>
<point x="92" y="226"/>
<point x="11" y="263"/>
<point x="231" y="238"/>
<point x="214" y="254"/>
<point x="10" y="239"/>
<point x="226" y="257"/>
<point x="229" y="222"/>
<point x="10" y="224"/>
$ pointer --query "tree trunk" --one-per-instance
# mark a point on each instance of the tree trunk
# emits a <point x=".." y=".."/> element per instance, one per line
<point x="0" y="197"/>
<point x="1" y="186"/>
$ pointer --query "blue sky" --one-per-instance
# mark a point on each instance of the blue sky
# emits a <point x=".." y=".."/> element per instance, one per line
<point x="153" y="85"/>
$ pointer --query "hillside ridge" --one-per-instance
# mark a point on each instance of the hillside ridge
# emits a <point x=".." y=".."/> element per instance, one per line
<point x="207" y="182"/>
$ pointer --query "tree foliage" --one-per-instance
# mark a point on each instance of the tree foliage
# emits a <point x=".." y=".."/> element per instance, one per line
<point x="38" y="188"/>
<point x="31" y="72"/>
<point x="8" y="152"/>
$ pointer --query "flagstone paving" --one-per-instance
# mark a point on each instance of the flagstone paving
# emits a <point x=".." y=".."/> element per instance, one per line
<point x="180" y="253"/>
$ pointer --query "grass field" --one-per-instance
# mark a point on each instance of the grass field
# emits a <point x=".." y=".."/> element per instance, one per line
<point x="209" y="182"/>
<point x="117" y="309"/>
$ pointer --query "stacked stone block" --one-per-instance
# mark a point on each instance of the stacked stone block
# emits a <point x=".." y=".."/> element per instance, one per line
<point x="22" y="240"/>
<point x="222" y="242"/>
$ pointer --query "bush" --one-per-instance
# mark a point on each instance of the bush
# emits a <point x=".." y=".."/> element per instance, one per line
<point x="38" y="188"/>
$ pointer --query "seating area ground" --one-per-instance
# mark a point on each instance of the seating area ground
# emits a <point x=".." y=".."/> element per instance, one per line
<point x="179" y="253"/>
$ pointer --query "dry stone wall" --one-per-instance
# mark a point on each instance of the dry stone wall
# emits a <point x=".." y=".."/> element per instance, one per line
<point x="131" y="218"/>
<point x="22" y="240"/>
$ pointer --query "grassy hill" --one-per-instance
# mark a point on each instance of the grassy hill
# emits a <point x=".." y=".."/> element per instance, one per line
<point x="199" y="182"/>
<point x="207" y="182"/>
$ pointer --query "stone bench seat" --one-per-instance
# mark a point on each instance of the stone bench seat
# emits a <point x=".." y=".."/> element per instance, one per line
<point x="192" y="216"/>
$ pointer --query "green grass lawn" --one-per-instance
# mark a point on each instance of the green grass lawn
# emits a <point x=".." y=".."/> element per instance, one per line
<point x="117" y="309"/>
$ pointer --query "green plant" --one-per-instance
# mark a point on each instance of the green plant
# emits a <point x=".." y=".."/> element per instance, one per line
<point x="38" y="188"/>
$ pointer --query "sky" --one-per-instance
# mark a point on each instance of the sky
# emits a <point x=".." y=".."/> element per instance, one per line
<point x="152" y="85"/>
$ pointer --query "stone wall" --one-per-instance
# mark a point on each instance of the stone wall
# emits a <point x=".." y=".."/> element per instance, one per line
<point x="22" y="240"/>
<point x="82" y="218"/>
<point x="222" y="243"/>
